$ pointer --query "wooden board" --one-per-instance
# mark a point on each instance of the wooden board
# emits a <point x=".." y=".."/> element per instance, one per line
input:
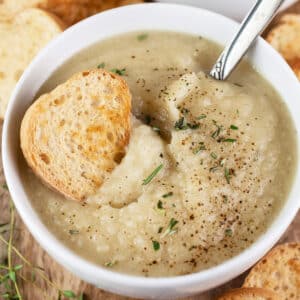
<point x="39" y="289"/>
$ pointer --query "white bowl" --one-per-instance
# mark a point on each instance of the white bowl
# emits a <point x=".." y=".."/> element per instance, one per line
<point x="235" y="9"/>
<point x="143" y="17"/>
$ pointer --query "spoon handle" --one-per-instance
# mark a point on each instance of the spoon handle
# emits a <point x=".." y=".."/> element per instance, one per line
<point x="253" y="24"/>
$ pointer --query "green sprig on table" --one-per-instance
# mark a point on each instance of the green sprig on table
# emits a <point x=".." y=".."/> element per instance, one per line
<point x="11" y="274"/>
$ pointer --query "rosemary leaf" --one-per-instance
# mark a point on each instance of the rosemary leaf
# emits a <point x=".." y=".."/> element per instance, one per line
<point x="152" y="175"/>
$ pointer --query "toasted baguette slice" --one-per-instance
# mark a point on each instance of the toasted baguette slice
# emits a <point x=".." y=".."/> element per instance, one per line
<point x="279" y="271"/>
<point x="70" y="11"/>
<point x="285" y="38"/>
<point x="74" y="136"/>
<point x="249" y="294"/>
<point x="9" y="8"/>
<point x="21" y="39"/>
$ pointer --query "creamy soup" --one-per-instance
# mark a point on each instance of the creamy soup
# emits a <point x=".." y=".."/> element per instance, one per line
<point x="208" y="166"/>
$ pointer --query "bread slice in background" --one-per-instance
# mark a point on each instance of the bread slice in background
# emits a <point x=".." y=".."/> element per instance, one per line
<point x="70" y="11"/>
<point x="285" y="38"/>
<point x="74" y="136"/>
<point x="250" y="294"/>
<point x="279" y="271"/>
<point x="9" y="8"/>
<point x="22" y="37"/>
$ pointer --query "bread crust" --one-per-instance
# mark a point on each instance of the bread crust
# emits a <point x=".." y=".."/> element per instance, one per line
<point x="70" y="11"/>
<point x="249" y="294"/>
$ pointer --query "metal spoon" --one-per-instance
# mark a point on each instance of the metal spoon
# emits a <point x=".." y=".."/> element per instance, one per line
<point x="259" y="16"/>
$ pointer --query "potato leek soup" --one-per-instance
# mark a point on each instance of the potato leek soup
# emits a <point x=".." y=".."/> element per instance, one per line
<point x="208" y="166"/>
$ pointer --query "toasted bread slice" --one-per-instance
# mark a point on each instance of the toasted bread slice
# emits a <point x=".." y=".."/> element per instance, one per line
<point x="70" y="11"/>
<point x="249" y="294"/>
<point x="22" y="37"/>
<point x="285" y="38"/>
<point x="279" y="271"/>
<point x="13" y="7"/>
<point x="74" y="136"/>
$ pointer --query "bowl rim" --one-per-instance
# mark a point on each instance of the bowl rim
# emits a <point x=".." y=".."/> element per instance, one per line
<point x="65" y="256"/>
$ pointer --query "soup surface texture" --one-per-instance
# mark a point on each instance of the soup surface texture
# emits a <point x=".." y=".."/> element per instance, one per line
<point x="208" y="166"/>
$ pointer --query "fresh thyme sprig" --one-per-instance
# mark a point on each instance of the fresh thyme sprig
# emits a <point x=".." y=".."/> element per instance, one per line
<point x="10" y="274"/>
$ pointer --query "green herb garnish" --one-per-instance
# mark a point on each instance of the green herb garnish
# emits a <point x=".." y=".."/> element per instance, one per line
<point x="110" y="264"/>
<point x="121" y="72"/>
<point x="238" y="84"/>
<point x="171" y="230"/>
<point x="228" y="232"/>
<point x="227" y="175"/>
<point x="69" y="294"/>
<point x="167" y="195"/>
<point x="214" y="155"/>
<point x="181" y="125"/>
<point x="201" y="117"/>
<point x="156" y="245"/>
<point x="229" y="140"/>
<point x="159" y="204"/>
<point x="18" y="267"/>
<point x="199" y="148"/>
<point x="217" y="132"/>
<point x="233" y="127"/>
<point x="9" y="273"/>
<point x="159" y="207"/>
<point x="142" y="37"/>
<point x="152" y="175"/>
<point x="12" y="275"/>
<point x="101" y="66"/>
<point x="73" y="231"/>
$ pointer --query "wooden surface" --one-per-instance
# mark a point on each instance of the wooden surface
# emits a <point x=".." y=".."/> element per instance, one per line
<point x="39" y="289"/>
